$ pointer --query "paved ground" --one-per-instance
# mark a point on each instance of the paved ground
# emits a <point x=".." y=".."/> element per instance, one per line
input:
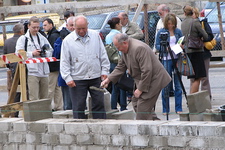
<point x="217" y="79"/>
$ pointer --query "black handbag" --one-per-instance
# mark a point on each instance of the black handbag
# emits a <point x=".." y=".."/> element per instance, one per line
<point x="126" y="83"/>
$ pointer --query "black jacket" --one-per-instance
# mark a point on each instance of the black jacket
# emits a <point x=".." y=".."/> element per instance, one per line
<point x="52" y="36"/>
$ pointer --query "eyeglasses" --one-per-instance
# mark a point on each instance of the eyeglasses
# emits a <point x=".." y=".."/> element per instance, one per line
<point x="160" y="13"/>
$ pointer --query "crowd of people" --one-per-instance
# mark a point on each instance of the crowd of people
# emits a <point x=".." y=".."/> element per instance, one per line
<point x="84" y="63"/>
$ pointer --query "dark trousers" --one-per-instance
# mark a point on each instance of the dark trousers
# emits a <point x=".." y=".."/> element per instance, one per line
<point x="79" y="94"/>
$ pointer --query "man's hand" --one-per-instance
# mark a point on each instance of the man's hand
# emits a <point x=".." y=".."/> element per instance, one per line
<point x="103" y="77"/>
<point x="137" y="93"/>
<point x="36" y="52"/>
<point x="71" y="84"/>
<point x="104" y="84"/>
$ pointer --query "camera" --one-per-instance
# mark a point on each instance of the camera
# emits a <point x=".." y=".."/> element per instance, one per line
<point x="163" y="36"/>
<point x="44" y="48"/>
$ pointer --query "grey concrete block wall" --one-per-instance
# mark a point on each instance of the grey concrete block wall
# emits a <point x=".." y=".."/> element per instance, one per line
<point x="58" y="134"/>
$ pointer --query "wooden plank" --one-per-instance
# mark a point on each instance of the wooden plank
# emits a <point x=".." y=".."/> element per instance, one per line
<point x="23" y="82"/>
<point x="6" y="110"/>
<point x="13" y="58"/>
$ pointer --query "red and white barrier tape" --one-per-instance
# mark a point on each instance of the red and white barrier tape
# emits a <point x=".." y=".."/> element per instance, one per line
<point x="39" y="60"/>
<point x="4" y="58"/>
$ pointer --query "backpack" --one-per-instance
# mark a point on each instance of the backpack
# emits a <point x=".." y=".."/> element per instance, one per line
<point x="113" y="53"/>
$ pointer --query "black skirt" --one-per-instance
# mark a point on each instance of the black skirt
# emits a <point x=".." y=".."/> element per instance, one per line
<point x="198" y="64"/>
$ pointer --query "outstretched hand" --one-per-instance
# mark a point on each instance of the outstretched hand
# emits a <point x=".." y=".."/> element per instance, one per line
<point x="105" y="83"/>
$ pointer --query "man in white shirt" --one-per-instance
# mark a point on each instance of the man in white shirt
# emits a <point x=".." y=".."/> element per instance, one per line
<point x="37" y="72"/>
<point x="84" y="62"/>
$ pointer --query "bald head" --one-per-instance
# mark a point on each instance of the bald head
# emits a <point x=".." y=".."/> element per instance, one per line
<point x="81" y="25"/>
<point x="123" y="18"/>
<point x="163" y="10"/>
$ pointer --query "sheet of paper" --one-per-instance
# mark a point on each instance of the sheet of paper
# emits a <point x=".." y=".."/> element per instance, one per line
<point x="177" y="49"/>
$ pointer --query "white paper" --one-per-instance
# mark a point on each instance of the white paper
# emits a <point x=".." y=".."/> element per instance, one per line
<point x="177" y="49"/>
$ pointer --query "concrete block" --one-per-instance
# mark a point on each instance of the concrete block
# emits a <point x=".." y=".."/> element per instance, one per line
<point x="20" y="126"/>
<point x="3" y="137"/>
<point x="100" y="139"/>
<point x="95" y="128"/>
<point x="37" y="110"/>
<point x="184" y="116"/>
<point x="95" y="147"/>
<point x="43" y="147"/>
<point x="111" y="129"/>
<point x="26" y="147"/>
<point x="16" y="137"/>
<point x="198" y="142"/>
<point x="196" y="116"/>
<point x="107" y="101"/>
<point x="78" y="147"/>
<point x="60" y="147"/>
<point x="129" y="129"/>
<point x="216" y="142"/>
<point x="126" y="114"/>
<point x="158" y="141"/>
<point x="76" y="128"/>
<point x="55" y="127"/>
<point x="120" y="140"/>
<point x="66" y="139"/>
<point x="139" y="140"/>
<point x="50" y="139"/>
<point x="212" y="115"/>
<point x="198" y="102"/>
<point x="33" y="138"/>
<point x="11" y="146"/>
<point x="149" y="129"/>
<point x="63" y="114"/>
<point x="37" y="127"/>
<point x="207" y="130"/>
<point x="168" y="130"/>
<point x="188" y="130"/>
<point x="7" y="123"/>
<point x="178" y="141"/>
<point x="83" y="139"/>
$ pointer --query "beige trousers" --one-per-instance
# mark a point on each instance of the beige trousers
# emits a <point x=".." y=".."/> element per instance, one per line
<point x="38" y="87"/>
<point x="54" y="91"/>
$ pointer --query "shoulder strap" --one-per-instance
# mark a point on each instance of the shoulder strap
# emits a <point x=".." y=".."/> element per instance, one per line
<point x="26" y="40"/>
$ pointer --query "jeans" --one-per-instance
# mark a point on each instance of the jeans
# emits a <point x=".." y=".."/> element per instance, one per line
<point x="67" y="104"/>
<point x="118" y="95"/>
<point x="168" y="65"/>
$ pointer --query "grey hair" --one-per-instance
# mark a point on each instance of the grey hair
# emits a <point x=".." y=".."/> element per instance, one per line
<point x="78" y="17"/>
<point x="72" y="18"/>
<point x="18" y="27"/>
<point x="121" y="37"/>
<point x="163" y="7"/>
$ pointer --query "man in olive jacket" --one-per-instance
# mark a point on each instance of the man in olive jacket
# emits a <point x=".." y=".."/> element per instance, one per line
<point x="132" y="29"/>
<point x="148" y="73"/>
